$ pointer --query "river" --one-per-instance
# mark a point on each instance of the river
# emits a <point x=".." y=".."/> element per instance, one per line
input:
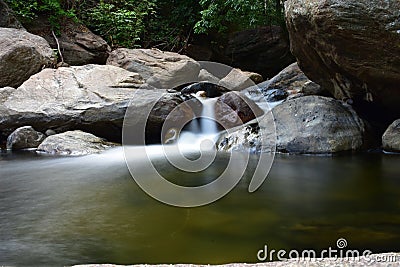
<point x="64" y="211"/>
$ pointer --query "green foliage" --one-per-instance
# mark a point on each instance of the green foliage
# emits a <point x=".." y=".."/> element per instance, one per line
<point x="171" y="25"/>
<point x="166" y="24"/>
<point x="231" y="15"/>
<point x="119" y="22"/>
<point x="28" y="10"/>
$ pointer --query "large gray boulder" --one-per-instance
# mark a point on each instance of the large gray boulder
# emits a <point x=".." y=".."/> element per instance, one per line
<point x="25" y="137"/>
<point x="91" y="98"/>
<point x="350" y="48"/>
<point x="291" y="80"/>
<point x="21" y="55"/>
<point x="391" y="137"/>
<point x="78" y="45"/>
<point x="160" y="69"/>
<point x="73" y="143"/>
<point x="310" y="124"/>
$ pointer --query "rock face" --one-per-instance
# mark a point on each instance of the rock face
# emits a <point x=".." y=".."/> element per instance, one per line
<point x="159" y="69"/>
<point x="391" y="137"/>
<point x="7" y="17"/>
<point x="350" y="48"/>
<point x="91" y="98"/>
<point x="21" y="55"/>
<point x="24" y="137"/>
<point x="264" y="50"/>
<point x="78" y="44"/>
<point x="310" y="124"/>
<point x="233" y="109"/>
<point x="73" y="143"/>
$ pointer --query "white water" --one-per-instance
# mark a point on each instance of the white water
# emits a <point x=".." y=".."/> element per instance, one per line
<point x="201" y="134"/>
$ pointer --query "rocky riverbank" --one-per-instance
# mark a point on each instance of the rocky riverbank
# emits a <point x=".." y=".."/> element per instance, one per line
<point x="347" y="105"/>
<point x="378" y="260"/>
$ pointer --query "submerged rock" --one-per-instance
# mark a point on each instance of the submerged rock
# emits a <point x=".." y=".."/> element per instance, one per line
<point x="351" y="48"/>
<point x="159" y="69"/>
<point x="310" y="124"/>
<point x="391" y="137"/>
<point x="73" y="143"/>
<point x="24" y="137"/>
<point x="21" y="55"/>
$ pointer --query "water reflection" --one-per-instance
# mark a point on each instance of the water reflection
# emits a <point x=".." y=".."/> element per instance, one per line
<point x="63" y="211"/>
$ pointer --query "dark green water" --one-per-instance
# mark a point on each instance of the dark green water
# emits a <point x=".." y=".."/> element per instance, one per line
<point x="64" y="211"/>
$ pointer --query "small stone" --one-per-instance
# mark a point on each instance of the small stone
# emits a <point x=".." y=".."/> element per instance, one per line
<point x="24" y="137"/>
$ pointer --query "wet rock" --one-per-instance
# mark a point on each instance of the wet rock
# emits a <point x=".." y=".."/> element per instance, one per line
<point x="391" y="137"/>
<point x="233" y="109"/>
<point x="275" y="95"/>
<point x="170" y="109"/>
<point x="351" y="49"/>
<point x="24" y="137"/>
<point x="21" y="55"/>
<point x="159" y="69"/>
<point x="73" y="143"/>
<point x="310" y="124"/>
<point x="210" y="89"/>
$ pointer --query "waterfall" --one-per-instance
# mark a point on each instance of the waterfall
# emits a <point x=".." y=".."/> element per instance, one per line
<point x="202" y="132"/>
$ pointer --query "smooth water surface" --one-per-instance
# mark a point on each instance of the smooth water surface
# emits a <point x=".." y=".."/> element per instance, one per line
<point x="64" y="211"/>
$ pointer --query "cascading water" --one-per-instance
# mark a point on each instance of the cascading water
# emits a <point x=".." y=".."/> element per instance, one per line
<point x="201" y="132"/>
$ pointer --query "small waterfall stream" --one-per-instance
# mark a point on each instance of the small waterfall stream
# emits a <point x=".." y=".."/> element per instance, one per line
<point x="201" y="132"/>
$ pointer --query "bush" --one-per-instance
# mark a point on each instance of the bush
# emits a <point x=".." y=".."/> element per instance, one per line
<point x="119" y="22"/>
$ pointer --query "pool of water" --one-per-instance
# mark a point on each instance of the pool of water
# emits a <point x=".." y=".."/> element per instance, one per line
<point x="64" y="211"/>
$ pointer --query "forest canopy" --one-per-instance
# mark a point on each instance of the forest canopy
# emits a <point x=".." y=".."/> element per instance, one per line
<point x="166" y="24"/>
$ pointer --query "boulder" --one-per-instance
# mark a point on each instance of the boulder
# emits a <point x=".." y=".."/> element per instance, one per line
<point x="351" y="48"/>
<point x="21" y="55"/>
<point x="91" y="98"/>
<point x="275" y="95"/>
<point x="391" y="137"/>
<point x="310" y="124"/>
<point x="233" y="109"/>
<point x="24" y="137"/>
<point x="293" y="81"/>
<point x="73" y="143"/>
<point x="8" y="18"/>
<point x="210" y="89"/>
<point x="255" y="77"/>
<point x="78" y="45"/>
<point x="264" y="50"/>
<point x="171" y="108"/>
<point x="159" y="69"/>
